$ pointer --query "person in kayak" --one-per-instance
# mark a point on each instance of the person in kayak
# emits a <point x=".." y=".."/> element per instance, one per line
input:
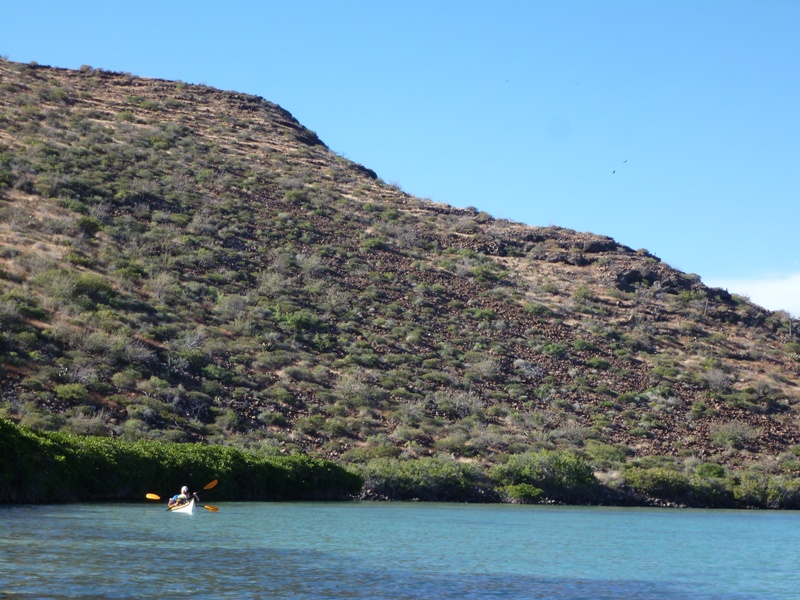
<point x="183" y="497"/>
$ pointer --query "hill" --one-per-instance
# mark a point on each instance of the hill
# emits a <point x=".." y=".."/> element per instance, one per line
<point x="181" y="263"/>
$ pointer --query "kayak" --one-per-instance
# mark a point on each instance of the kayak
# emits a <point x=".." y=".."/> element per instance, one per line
<point x="186" y="508"/>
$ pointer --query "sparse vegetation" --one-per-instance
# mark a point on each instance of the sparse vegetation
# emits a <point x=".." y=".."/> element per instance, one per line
<point x="219" y="277"/>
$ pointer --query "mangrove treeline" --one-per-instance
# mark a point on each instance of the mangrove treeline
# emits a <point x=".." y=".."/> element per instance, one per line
<point x="38" y="466"/>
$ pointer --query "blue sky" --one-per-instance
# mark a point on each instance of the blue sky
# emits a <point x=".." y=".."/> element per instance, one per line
<point x="667" y="125"/>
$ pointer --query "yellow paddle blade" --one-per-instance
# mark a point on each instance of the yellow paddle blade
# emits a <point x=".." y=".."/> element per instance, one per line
<point x="210" y="485"/>
<point x="211" y="508"/>
<point x="153" y="497"/>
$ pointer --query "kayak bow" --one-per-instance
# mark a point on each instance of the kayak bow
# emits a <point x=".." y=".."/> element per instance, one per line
<point x="186" y="508"/>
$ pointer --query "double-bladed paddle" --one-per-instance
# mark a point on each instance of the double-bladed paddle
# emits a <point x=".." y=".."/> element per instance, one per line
<point x="208" y="486"/>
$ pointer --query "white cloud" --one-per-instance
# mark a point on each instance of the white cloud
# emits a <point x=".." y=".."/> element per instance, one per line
<point x="773" y="293"/>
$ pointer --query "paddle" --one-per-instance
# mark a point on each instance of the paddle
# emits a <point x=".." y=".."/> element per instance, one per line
<point x="208" y="486"/>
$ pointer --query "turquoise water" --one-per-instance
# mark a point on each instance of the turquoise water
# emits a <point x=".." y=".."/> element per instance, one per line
<point x="396" y="550"/>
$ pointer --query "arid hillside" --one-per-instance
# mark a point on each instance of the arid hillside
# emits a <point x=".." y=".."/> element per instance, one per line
<point x="183" y="263"/>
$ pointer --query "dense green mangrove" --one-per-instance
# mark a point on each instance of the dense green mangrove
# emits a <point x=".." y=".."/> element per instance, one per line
<point x="38" y="466"/>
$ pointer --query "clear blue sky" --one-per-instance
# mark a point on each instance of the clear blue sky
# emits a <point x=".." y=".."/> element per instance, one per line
<point x="527" y="110"/>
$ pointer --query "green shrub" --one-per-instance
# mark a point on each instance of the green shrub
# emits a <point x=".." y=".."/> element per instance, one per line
<point x="605" y="455"/>
<point x="271" y="417"/>
<point x="435" y="479"/>
<point x="71" y="392"/>
<point x="658" y="482"/>
<point x="373" y="243"/>
<point x="379" y="447"/>
<point x="583" y="294"/>
<point x="553" y="349"/>
<point x="523" y="493"/>
<point x="300" y="320"/>
<point x="707" y="470"/>
<point x="753" y="490"/>
<point x="89" y="225"/>
<point x="126" y="379"/>
<point x="295" y="197"/>
<point x="539" y="310"/>
<point x="733" y="434"/>
<point x="560" y="475"/>
<point x="456" y="443"/>
<point x="18" y="302"/>
<point x="216" y="372"/>
<point x="584" y="345"/>
<point x="95" y="287"/>
<point x="700" y="409"/>
<point x="598" y="363"/>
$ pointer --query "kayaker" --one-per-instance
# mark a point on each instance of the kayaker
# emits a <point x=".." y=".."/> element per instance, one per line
<point x="183" y="497"/>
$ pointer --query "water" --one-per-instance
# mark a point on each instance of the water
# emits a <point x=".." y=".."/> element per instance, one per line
<point x="396" y="550"/>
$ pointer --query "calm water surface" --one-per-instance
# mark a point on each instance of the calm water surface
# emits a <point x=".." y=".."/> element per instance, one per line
<point x="395" y="550"/>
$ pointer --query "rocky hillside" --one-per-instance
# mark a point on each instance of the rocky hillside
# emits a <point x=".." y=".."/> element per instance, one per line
<point x="188" y="264"/>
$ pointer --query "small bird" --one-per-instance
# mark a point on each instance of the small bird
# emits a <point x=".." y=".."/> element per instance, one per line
<point x="612" y="172"/>
<point x="624" y="161"/>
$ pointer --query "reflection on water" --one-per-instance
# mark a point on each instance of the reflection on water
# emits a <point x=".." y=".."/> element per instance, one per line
<point x="366" y="550"/>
